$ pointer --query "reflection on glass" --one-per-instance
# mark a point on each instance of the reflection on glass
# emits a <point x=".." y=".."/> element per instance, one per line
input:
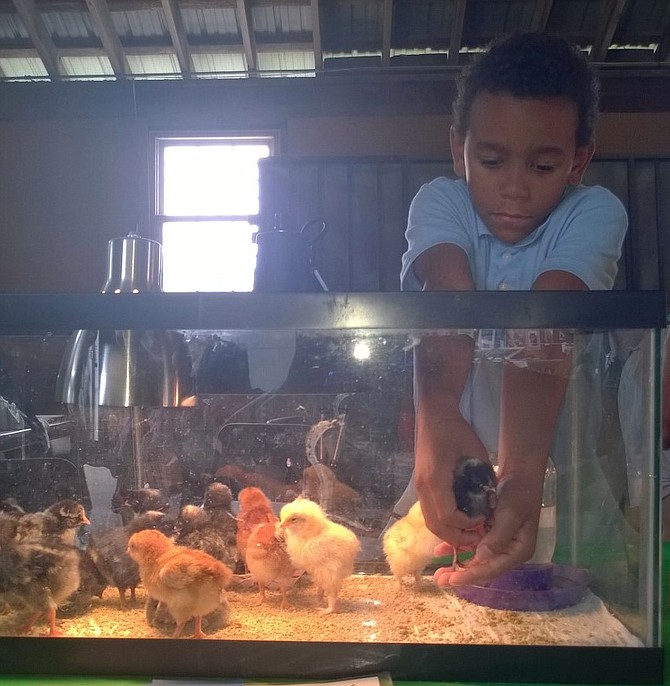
<point x="325" y="416"/>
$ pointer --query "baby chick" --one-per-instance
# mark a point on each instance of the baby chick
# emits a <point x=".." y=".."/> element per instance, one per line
<point x="255" y="509"/>
<point x="324" y="549"/>
<point x="189" y="582"/>
<point x="195" y="530"/>
<point x="108" y="549"/>
<point x="38" y="576"/>
<point x="268" y="561"/>
<point x="409" y="545"/>
<point x="60" y="520"/>
<point x="475" y="487"/>
<point x="474" y="490"/>
<point x="140" y="500"/>
<point x="211" y="529"/>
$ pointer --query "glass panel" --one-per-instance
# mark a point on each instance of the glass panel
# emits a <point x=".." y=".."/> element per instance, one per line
<point x="328" y="415"/>
<point x="172" y="418"/>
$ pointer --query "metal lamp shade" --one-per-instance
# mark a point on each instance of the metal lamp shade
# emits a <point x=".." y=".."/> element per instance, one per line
<point x="134" y="265"/>
<point x="127" y="368"/>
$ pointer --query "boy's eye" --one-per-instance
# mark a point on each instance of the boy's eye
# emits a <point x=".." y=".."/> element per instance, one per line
<point x="544" y="166"/>
<point x="490" y="161"/>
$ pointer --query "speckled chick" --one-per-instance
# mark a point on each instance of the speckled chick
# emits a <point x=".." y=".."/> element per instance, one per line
<point x="38" y="576"/>
<point x="60" y="520"/>
<point x="409" y="545"/>
<point x="326" y="550"/>
<point x="212" y="528"/>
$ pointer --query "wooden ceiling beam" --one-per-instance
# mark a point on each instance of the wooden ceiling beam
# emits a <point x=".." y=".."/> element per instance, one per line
<point x="387" y="31"/>
<point x="609" y="20"/>
<point x="178" y="36"/>
<point x="317" y="46"/>
<point x="104" y="27"/>
<point x="39" y="36"/>
<point x="456" y="36"/>
<point x="541" y="13"/>
<point x="243" y="12"/>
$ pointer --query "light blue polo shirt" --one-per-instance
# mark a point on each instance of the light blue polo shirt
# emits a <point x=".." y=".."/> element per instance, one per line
<point x="583" y="236"/>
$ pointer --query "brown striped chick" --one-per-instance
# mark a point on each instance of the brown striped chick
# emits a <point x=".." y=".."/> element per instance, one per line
<point x="60" y="520"/>
<point x="190" y="583"/>
<point x="409" y="545"/>
<point x="324" y="549"/>
<point x="268" y="561"/>
<point x="38" y="576"/>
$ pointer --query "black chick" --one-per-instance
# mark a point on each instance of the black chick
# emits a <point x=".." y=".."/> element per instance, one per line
<point x="38" y="576"/>
<point x="475" y="487"/>
<point x="475" y="490"/>
<point x="141" y="500"/>
<point x="108" y="551"/>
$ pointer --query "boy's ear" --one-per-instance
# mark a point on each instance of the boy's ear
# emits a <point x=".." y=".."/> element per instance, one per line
<point x="457" y="152"/>
<point x="583" y="156"/>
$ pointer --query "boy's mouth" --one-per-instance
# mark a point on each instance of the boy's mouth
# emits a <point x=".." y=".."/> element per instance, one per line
<point x="510" y="220"/>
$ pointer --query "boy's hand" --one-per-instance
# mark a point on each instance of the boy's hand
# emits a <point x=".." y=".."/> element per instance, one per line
<point x="441" y="443"/>
<point x="510" y="540"/>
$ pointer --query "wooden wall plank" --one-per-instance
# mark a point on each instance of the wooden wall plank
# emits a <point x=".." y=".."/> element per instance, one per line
<point x="392" y="224"/>
<point x="643" y="226"/>
<point x="333" y="252"/>
<point x="365" y="265"/>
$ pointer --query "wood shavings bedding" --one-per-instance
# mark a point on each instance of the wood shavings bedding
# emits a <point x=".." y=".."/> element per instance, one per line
<point x="371" y="609"/>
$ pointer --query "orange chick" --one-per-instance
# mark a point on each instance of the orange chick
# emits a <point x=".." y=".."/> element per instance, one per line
<point x="190" y="583"/>
<point x="268" y="561"/>
<point x="409" y="545"/>
<point x="324" y="549"/>
<point x="255" y="509"/>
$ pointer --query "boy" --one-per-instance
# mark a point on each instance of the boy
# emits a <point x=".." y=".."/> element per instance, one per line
<point x="517" y="218"/>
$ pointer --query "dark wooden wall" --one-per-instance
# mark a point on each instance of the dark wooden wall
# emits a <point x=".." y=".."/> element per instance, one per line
<point x="77" y="166"/>
<point x="364" y="202"/>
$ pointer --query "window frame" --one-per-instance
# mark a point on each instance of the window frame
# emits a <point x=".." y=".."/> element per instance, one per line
<point x="161" y="140"/>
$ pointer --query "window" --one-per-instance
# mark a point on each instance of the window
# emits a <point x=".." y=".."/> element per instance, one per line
<point x="206" y="202"/>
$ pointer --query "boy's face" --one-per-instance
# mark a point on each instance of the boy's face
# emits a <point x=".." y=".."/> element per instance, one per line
<point x="517" y="157"/>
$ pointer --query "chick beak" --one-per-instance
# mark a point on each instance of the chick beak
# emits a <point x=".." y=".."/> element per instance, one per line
<point x="85" y="520"/>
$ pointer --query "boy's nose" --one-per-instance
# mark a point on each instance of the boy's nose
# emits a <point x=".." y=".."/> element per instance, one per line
<point x="514" y="183"/>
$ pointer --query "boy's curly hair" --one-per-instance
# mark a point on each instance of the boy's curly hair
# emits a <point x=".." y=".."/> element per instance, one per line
<point x="532" y="65"/>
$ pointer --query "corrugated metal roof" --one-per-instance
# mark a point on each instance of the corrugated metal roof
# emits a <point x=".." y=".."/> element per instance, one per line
<point x="233" y="38"/>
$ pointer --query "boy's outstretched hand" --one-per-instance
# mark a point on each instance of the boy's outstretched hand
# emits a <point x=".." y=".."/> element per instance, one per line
<point x="509" y="542"/>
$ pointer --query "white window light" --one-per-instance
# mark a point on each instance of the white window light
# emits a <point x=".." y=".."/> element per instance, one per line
<point x="207" y="190"/>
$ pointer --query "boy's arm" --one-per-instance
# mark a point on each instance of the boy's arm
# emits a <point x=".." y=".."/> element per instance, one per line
<point x="531" y="403"/>
<point x="442" y="366"/>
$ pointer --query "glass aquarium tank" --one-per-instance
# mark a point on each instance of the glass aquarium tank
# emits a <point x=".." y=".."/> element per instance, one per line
<point x="157" y="449"/>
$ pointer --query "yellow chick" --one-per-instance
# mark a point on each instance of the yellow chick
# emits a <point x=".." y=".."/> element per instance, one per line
<point x="324" y="549"/>
<point x="189" y="582"/>
<point x="409" y="545"/>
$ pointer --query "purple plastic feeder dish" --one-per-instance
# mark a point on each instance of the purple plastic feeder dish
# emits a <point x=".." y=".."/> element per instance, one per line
<point x="530" y="588"/>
